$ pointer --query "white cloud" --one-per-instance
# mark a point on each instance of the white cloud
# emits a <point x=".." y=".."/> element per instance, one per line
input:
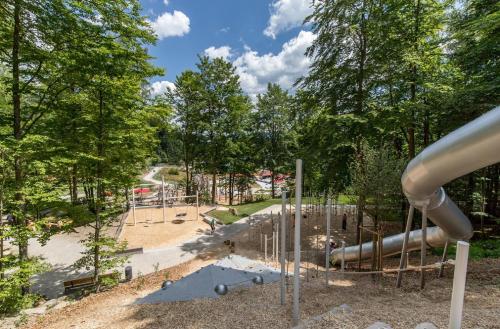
<point x="224" y="52"/>
<point x="287" y="14"/>
<point x="160" y="87"/>
<point x="165" y="2"/>
<point x="174" y="24"/>
<point x="284" y="68"/>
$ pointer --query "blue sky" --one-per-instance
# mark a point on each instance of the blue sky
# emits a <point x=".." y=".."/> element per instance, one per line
<point x="265" y="39"/>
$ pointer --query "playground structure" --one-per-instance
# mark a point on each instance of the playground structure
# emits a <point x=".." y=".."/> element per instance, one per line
<point x="162" y="195"/>
<point x="467" y="149"/>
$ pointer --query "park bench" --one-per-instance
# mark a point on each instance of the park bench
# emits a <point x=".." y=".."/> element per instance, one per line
<point x="84" y="282"/>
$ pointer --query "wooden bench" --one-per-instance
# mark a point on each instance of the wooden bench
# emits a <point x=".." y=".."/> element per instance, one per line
<point x="85" y="282"/>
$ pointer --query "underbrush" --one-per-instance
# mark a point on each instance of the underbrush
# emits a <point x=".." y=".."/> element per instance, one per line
<point x="478" y="249"/>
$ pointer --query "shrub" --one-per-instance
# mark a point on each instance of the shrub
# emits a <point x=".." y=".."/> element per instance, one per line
<point x="173" y="171"/>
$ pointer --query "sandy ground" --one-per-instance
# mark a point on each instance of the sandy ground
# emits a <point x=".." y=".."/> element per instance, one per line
<point x="150" y="232"/>
<point x="258" y="306"/>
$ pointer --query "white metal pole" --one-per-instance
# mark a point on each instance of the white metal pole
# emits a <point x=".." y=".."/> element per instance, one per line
<point x="296" y="251"/>
<point x="163" y="199"/>
<point x="457" y="295"/>
<point x="328" y="220"/>
<point x="283" y="245"/>
<point x="133" y="204"/>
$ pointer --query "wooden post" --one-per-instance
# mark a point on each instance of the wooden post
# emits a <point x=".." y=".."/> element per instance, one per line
<point x="265" y="247"/>
<point x="423" y="246"/>
<point x="133" y="205"/>
<point x="163" y="199"/>
<point x="197" y="206"/>
<point x="360" y="247"/>
<point x="402" y="261"/>
<point x="443" y="259"/>
<point x="296" y="258"/>
<point x="342" y="261"/>
<point x="283" y="245"/>
<point x="327" y="256"/>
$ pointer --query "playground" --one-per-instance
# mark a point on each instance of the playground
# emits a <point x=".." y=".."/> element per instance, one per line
<point x="151" y="232"/>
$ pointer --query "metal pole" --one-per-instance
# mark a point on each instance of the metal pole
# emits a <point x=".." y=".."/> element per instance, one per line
<point x="296" y="251"/>
<point x="423" y="246"/>
<point x="402" y="261"/>
<point x="133" y="205"/>
<point x="283" y="245"/>
<point x="443" y="259"/>
<point x="328" y="220"/>
<point x="457" y="294"/>
<point x="163" y="198"/>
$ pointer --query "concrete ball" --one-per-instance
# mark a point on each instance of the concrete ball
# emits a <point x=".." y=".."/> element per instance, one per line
<point x="221" y="289"/>
<point x="258" y="279"/>
<point x="166" y="284"/>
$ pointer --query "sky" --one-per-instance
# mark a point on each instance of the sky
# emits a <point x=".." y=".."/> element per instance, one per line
<point x="264" y="39"/>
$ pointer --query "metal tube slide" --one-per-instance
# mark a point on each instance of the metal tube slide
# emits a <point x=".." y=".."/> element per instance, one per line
<point x="469" y="148"/>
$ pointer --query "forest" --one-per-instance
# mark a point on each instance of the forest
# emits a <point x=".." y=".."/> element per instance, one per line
<point x="78" y="122"/>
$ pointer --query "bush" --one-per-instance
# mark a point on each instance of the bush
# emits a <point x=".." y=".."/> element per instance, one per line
<point x="173" y="171"/>
<point x="477" y="250"/>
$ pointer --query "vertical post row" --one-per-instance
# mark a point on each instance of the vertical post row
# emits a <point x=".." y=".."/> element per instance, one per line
<point x="296" y="251"/>
<point x="283" y="245"/>
<point x="328" y="220"/>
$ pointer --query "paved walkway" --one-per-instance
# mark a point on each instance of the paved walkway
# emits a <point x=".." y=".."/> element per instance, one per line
<point x="64" y="249"/>
<point x="149" y="177"/>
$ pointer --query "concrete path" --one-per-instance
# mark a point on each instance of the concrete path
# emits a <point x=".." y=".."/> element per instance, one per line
<point x="63" y="250"/>
<point x="149" y="177"/>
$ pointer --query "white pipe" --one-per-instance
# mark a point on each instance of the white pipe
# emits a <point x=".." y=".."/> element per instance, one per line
<point x="296" y="251"/>
<point x="283" y="245"/>
<point x="459" y="276"/>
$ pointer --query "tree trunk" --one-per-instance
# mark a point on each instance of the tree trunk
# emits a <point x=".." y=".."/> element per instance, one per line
<point x="74" y="185"/>
<point x="188" y="187"/>
<point x="413" y="86"/>
<point x="214" y="186"/>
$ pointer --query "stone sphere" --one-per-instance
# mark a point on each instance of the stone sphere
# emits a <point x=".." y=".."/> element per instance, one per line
<point x="166" y="284"/>
<point x="221" y="289"/>
<point x="258" y="279"/>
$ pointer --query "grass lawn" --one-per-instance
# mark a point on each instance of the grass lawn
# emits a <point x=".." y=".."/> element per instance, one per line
<point x="172" y="174"/>
<point x="247" y="209"/>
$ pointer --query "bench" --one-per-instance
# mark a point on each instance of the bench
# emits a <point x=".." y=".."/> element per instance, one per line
<point x="85" y="282"/>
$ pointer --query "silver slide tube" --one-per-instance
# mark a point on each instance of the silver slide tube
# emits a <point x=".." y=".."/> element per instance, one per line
<point x="469" y="148"/>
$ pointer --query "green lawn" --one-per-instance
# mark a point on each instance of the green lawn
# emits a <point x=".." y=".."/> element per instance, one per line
<point x="251" y="208"/>
<point x="172" y="174"/>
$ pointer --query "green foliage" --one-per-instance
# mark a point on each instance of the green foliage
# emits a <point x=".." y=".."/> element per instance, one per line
<point x="478" y="249"/>
<point x="12" y="299"/>
<point x="376" y="174"/>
